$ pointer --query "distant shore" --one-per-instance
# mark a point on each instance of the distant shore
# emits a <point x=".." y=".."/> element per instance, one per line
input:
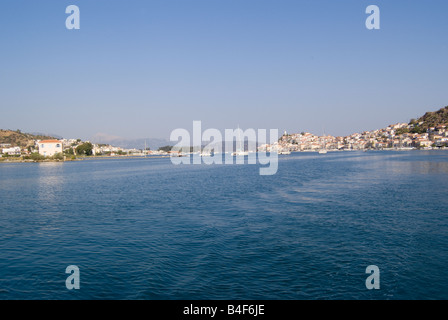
<point x="18" y="160"/>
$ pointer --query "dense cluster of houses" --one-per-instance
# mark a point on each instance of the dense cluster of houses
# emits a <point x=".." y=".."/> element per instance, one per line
<point x="397" y="136"/>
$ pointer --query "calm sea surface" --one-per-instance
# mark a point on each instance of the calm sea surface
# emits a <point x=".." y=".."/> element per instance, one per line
<point x="147" y="229"/>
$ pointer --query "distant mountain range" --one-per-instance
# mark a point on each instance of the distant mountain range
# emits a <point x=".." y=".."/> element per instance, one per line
<point x="138" y="143"/>
<point x="153" y="144"/>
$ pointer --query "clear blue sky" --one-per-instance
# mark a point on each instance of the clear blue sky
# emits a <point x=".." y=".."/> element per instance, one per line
<point x="140" y="69"/>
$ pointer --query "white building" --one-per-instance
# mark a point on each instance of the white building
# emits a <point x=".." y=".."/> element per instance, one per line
<point x="14" y="151"/>
<point x="49" y="148"/>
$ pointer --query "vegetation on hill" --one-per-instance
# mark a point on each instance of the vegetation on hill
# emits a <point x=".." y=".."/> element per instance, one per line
<point x="165" y="148"/>
<point x="431" y="119"/>
<point x="20" y="139"/>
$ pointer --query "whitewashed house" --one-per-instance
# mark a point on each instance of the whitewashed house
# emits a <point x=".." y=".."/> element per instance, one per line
<point x="14" y="151"/>
<point x="49" y="148"/>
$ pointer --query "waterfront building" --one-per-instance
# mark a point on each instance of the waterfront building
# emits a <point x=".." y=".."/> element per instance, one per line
<point x="49" y="148"/>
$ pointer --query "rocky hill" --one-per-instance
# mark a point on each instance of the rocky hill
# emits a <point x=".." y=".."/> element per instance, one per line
<point x="19" y="139"/>
<point x="433" y="119"/>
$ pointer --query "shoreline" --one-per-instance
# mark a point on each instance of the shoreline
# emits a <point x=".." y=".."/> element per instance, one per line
<point x="13" y="160"/>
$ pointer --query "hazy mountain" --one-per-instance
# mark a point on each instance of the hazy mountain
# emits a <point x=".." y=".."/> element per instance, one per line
<point x="139" y="143"/>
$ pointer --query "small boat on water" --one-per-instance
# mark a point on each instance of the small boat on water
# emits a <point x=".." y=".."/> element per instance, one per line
<point x="176" y="154"/>
<point x="205" y="154"/>
<point x="323" y="149"/>
<point x="240" y="151"/>
<point x="284" y="152"/>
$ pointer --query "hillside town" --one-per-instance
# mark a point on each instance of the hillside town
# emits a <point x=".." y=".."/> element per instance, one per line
<point x="401" y="136"/>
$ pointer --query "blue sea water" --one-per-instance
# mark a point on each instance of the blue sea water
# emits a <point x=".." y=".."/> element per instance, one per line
<point x="147" y="229"/>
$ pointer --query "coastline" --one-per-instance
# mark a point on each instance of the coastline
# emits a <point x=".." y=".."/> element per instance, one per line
<point x="14" y="160"/>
